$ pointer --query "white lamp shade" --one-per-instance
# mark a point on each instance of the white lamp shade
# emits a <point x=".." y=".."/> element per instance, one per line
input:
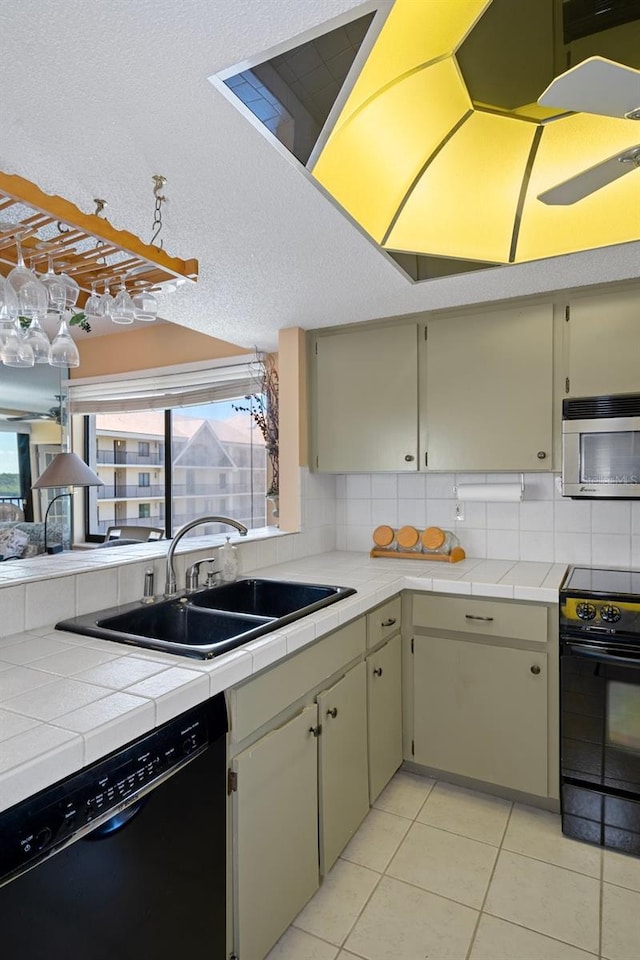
<point x="68" y="470"/>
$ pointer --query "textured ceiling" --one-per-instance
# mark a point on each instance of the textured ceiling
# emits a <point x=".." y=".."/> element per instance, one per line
<point x="97" y="96"/>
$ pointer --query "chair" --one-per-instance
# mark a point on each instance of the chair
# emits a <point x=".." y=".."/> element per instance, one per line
<point x="10" y="511"/>
<point x="135" y="534"/>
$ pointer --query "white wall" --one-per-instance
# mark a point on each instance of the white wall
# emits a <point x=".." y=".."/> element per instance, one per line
<point x="545" y="526"/>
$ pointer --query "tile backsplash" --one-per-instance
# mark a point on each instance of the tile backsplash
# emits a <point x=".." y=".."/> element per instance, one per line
<point x="544" y="526"/>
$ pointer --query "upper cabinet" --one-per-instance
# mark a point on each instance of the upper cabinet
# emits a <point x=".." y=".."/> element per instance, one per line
<point x="603" y="344"/>
<point x="488" y="383"/>
<point x="365" y="401"/>
<point x="461" y="393"/>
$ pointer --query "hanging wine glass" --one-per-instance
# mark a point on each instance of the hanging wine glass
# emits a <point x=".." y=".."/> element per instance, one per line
<point x="16" y="351"/>
<point x="32" y="295"/>
<point x="145" y="305"/>
<point x="72" y="290"/>
<point x="106" y="303"/>
<point x="123" y="310"/>
<point x="64" y="352"/>
<point x="92" y="306"/>
<point x="8" y="301"/>
<point x="38" y="341"/>
<point x="55" y="288"/>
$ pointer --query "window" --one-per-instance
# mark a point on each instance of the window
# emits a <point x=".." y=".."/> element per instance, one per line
<point x="143" y="448"/>
<point x="216" y="465"/>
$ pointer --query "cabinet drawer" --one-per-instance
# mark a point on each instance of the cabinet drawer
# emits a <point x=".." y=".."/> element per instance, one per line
<point x="493" y="618"/>
<point x="383" y="622"/>
<point x="258" y="700"/>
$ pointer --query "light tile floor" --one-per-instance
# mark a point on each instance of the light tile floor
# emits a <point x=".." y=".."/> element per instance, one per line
<point x="437" y="872"/>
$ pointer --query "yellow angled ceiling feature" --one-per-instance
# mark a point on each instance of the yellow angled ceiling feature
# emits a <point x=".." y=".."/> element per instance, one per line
<point x="464" y="204"/>
<point x="610" y="215"/>
<point x="372" y="161"/>
<point x="415" y="33"/>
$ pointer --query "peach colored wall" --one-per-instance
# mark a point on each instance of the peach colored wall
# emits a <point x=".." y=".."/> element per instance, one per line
<point x="155" y="346"/>
<point x="293" y="423"/>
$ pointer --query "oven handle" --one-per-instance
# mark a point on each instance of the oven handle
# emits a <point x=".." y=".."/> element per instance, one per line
<point x="594" y="653"/>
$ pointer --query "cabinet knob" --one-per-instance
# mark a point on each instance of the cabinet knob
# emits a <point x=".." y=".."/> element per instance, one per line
<point x="409" y="457"/>
<point x="316" y="731"/>
<point x="377" y="672"/>
<point x="388" y="623"/>
<point x="333" y="712"/>
<point x="542" y="455"/>
<point x="535" y="669"/>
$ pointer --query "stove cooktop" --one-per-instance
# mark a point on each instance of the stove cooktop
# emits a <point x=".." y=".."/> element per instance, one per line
<point x="602" y="581"/>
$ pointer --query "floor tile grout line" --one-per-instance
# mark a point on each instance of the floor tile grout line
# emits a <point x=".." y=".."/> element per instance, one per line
<point x="486" y="892"/>
<point x="550" y="863"/>
<point x="549" y="936"/>
<point x="601" y="903"/>
<point x="454" y="833"/>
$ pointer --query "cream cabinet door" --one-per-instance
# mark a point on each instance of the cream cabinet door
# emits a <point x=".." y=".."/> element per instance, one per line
<point x="481" y="711"/>
<point x="366" y="400"/>
<point x="275" y="833"/>
<point x="604" y="345"/>
<point x="384" y="711"/>
<point x="489" y="381"/>
<point x="344" y="778"/>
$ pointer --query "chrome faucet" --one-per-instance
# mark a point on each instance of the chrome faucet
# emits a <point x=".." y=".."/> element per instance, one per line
<point x="170" y="583"/>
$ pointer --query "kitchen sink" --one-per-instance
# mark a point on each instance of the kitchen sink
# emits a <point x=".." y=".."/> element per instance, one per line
<point x="265" y="598"/>
<point x="211" y="621"/>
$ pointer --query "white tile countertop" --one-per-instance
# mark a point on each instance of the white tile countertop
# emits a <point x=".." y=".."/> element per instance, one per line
<point x="66" y="700"/>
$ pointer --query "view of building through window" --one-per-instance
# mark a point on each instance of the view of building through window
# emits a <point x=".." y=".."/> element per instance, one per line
<point x="217" y="466"/>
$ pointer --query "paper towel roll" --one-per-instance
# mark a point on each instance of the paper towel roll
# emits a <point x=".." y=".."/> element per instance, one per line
<point x="490" y="492"/>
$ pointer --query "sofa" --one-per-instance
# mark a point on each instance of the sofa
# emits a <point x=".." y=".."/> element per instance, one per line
<point x="16" y="547"/>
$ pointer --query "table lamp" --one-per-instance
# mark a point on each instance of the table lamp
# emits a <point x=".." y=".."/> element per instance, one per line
<point x="65" y="470"/>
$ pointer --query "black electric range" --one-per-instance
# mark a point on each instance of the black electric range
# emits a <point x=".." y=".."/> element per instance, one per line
<point x="600" y="706"/>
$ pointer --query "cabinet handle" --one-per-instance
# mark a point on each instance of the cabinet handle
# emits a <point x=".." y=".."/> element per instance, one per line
<point x="472" y="616"/>
<point x="377" y="672"/>
<point x="409" y="457"/>
<point x="333" y="712"/>
<point x="316" y="731"/>
<point x="542" y="455"/>
<point x="388" y="623"/>
<point x="535" y="669"/>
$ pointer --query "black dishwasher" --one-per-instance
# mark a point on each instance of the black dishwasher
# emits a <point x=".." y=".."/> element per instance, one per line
<point x="127" y="858"/>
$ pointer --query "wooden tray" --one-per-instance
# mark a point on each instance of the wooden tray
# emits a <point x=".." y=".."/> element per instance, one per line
<point x="457" y="554"/>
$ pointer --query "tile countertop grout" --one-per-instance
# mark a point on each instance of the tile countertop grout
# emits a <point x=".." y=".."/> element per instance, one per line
<point x="142" y="688"/>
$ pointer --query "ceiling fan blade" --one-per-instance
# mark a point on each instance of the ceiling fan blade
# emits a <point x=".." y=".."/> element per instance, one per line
<point x="597" y="86"/>
<point x="592" y="179"/>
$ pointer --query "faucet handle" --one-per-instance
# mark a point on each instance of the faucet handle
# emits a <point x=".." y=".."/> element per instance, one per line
<point x="192" y="575"/>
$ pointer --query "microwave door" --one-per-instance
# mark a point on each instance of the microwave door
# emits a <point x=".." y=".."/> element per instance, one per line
<point x="601" y="458"/>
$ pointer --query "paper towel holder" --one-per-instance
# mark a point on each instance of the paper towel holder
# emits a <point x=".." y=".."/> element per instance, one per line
<point x="488" y="493"/>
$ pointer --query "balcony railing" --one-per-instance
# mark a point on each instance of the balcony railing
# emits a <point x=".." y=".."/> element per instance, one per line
<point x="123" y="491"/>
<point x="128" y="456"/>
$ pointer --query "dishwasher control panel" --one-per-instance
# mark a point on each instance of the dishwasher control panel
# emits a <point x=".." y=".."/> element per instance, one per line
<point x="100" y="797"/>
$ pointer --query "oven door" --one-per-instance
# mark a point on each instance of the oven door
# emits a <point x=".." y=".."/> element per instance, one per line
<point x="600" y="742"/>
<point x="601" y="458"/>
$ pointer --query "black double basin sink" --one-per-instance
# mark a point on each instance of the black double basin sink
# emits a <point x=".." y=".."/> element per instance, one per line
<point x="211" y="621"/>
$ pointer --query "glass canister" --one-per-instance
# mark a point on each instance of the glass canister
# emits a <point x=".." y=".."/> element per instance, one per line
<point x="384" y="538"/>
<point x="409" y="540"/>
<point x="436" y="540"/>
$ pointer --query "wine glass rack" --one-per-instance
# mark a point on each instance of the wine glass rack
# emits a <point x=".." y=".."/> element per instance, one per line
<point x="86" y="246"/>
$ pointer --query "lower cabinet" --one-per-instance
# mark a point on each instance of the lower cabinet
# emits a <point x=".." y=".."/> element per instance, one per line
<point x="480" y="711"/>
<point x="275" y="836"/>
<point x="384" y="714"/>
<point x="343" y="767"/>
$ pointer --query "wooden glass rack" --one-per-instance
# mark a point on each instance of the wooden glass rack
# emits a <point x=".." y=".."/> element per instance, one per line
<point x="85" y="246"/>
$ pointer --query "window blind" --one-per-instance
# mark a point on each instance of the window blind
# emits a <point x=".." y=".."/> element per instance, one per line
<point x="160" y="389"/>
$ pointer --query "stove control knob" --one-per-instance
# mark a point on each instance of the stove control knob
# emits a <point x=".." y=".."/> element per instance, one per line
<point x="586" y="611"/>
<point x="610" y="614"/>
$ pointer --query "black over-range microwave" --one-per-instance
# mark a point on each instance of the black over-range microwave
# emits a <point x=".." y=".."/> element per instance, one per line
<point x="601" y="447"/>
